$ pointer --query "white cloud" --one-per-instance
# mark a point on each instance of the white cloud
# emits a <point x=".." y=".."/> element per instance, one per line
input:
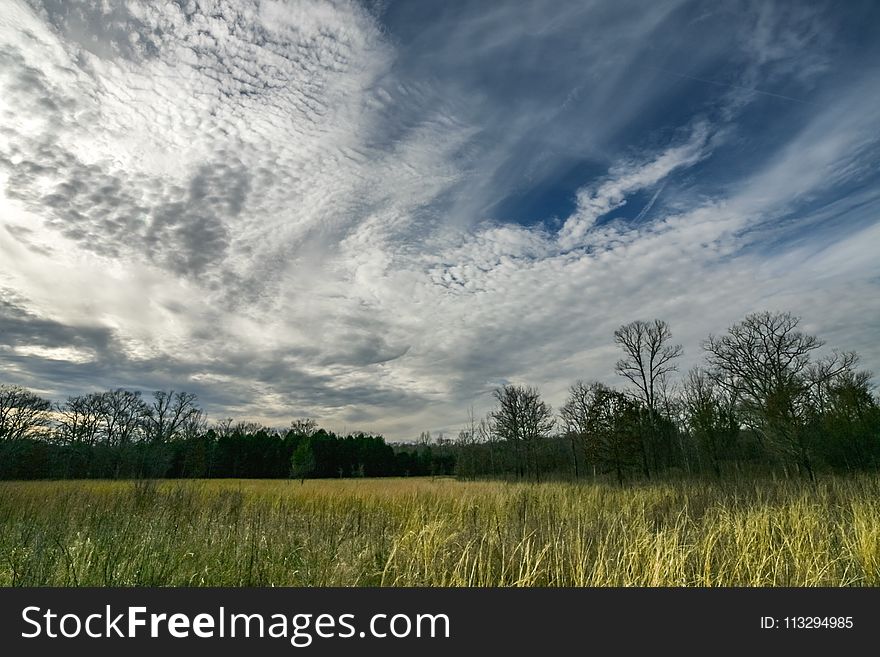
<point x="610" y="194"/>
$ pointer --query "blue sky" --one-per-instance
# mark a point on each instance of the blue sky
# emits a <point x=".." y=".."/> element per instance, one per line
<point x="374" y="213"/>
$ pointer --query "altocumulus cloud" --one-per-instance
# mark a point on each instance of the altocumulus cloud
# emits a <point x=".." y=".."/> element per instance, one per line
<point x="374" y="213"/>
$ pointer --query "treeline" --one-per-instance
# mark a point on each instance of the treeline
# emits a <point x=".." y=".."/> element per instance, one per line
<point x="761" y="401"/>
<point x="120" y="434"/>
<point x="242" y="450"/>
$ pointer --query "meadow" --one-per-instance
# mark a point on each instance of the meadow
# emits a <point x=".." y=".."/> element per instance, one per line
<point x="440" y="532"/>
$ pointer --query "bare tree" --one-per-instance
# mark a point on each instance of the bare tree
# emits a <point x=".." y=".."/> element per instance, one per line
<point x="648" y="357"/>
<point x="224" y="427"/>
<point x="168" y="414"/>
<point x="122" y="414"/>
<point x="80" y="419"/>
<point x="466" y="462"/>
<point x="575" y="416"/>
<point x="249" y="427"/>
<point x="523" y="418"/>
<point x="468" y="435"/>
<point x="761" y="356"/>
<point x="194" y="425"/>
<point x="827" y="375"/>
<point x="765" y="362"/>
<point x="484" y="432"/>
<point x="304" y="427"/>
<point x="23" y="414"/>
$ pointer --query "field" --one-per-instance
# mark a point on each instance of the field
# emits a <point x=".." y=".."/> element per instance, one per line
<point x="423" y="532"/>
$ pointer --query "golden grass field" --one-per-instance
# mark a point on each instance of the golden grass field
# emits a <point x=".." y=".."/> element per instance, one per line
<point x="423" y="532"/>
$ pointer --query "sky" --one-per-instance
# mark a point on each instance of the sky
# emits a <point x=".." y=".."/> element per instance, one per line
<point x="374" y="214"/>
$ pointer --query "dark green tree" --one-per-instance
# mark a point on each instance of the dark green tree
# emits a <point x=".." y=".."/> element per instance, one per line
<point x="302" y="463"/>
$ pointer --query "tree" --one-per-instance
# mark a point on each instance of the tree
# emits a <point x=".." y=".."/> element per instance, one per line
<point x="847" y="418"/>
<point x="764" y="361"/>
<point x="166" y="417"/>
<point x="224" y="427"/>
<point x="303" y="427"/>
<point x="466" y="465"/>
<point x="648" y="357"/>
<point x="523" y="419"/>
<point x="195" y="424"/>
<point x="711" y="417"/>
<point x="616" y="428"/>
<point x="122" y="414"/>
<point x="576" y="417"/>
<point x="23" y="414"/>
<point x="606" y="424"/>
<point x="302" y="463"/>
<point x="80" y="419"/>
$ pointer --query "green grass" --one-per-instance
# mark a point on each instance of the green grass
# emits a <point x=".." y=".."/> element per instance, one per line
<point x="419" y="532"/>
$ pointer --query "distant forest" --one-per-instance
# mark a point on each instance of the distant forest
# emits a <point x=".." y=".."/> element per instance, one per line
<point x="763" y="401"/>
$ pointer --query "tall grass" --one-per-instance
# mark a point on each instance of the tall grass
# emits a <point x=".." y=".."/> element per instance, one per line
<point x="418" y="532"/>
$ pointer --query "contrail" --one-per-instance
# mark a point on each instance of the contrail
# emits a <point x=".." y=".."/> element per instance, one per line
<point x="650" y="205"/>
<point x="732" y="86"/>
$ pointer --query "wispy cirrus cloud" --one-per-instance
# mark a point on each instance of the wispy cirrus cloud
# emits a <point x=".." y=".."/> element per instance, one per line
<point x="626" y="178"/>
